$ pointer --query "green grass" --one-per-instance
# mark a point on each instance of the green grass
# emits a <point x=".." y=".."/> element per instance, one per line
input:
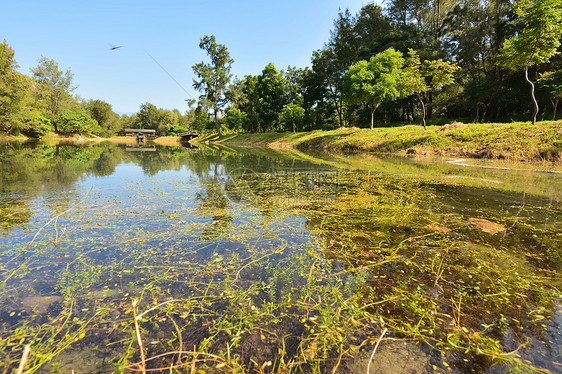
<point x="513" y="141"/>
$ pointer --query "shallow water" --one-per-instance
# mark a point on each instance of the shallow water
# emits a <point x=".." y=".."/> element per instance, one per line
<point x="256" y="260"/>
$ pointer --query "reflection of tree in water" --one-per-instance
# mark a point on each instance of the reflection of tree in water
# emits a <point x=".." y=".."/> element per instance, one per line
<point x="35" y="169"/>
<point x="214" y="199"/>
<point x="110" y="157"/>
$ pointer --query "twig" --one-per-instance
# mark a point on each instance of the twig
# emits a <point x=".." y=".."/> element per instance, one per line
<point x="155" y="307"/>
<point x="139" y="340"/>
<point x="407" y="361"/>
<point x="193" y="362"/>
<point x="24" y="357"/>
<point x="457" y="315"/>
<point x="178" y="330"/>
<point x="60" y="214"/>
<point x="440" y="270"/>
<point x="375" y="349"/>
<point x="278" y="250"/>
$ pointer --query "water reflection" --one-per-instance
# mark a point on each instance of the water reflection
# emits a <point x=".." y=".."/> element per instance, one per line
<point x="287" y="258"/>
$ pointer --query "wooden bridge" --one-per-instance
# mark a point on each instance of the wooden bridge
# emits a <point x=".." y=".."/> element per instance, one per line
<point x="188" y="135"/>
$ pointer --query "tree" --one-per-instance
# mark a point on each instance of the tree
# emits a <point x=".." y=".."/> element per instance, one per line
<point x="213" y="77"/>
<point x="414" y="81"/>
<point x="14" y="89"/>
<point x="107" y="119"/>
<point x="151" y="117"/>
<point x="293" y="84"/>
<point x="537" y="40"/>
<point x="55" y="86"/>
<point x="148" y="117"/>
<point x="247" y="101"/>
<point x="292" y="113"/>
<point x="437" y="74"/>
<point x="70" y="122"/>
<point x="270" y="91"/>
<point x="552" y="83"/>
<point x="236" y="119"/>
<point x="423" y="78"/>
<point x="325" y="85"/>
<point x="375" y="81"/>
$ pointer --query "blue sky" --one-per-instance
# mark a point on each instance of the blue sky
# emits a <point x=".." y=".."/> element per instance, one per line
<point x="79" y="34"/>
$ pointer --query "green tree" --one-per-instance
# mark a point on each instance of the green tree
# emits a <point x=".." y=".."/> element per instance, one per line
<point x="236" y="119"/>
<point x="200" y="119"/>
<point x="14" y="89"/>
<point x="552" y="83"/>
<point x="35" y="122"/>
<point x="70" y="122"/>
<point x="414" y="82"/>
<point x="107" y="119"/>
<point x="151" y="117"/>
<point x="271" y="95"/>
<point x="325" y="84"/>
<point x="292" y="113"/>
<point x="437" y="74"/>
<point x="375" y="81"/>
<point x="54" y="86"/>
<point x="148" y="117"/>
<point x="537" y="40"/>
<point x="213" y="77"/>
<point x="249" y="101"/>
<point x="424" y="78"/>
<point x="293" y="84"/>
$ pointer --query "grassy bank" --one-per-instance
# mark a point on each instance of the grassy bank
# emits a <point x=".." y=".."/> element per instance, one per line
<point x="512" y="141"/>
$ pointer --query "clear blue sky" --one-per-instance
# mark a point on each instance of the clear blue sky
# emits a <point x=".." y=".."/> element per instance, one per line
<point x="78" y="35"/>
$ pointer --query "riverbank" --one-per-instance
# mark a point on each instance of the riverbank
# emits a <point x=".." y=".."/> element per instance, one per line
<point x="541" y="142"/>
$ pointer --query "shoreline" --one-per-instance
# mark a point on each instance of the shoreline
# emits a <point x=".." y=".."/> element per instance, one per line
<point x="520" y="142"/>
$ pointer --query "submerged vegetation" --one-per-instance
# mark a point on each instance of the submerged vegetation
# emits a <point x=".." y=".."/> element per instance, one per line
<point x="240" y="262"/>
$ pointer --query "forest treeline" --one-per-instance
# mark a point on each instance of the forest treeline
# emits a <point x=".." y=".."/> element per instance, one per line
<point x="407" y="63"/>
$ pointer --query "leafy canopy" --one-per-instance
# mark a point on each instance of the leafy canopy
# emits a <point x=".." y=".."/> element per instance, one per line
<point x="375" y="81"/>
<point x="213" y="77"/>
<point x="539" y="36"/>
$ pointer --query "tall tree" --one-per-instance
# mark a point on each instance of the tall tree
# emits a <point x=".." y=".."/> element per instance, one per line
<point x="270" y="90"/>
<point x="292" y="113"/>
<point x="375" y="81"/>
<point x="414" y="81"/>
<point x="537" y="40"/>
<point x="107" y="119"/>
<point x="55" y="85"/>
<point x="424" y="78"/>
<point x="14" y="89"/>
<point x="214" y="76"/>
<point x="551" y="82"/>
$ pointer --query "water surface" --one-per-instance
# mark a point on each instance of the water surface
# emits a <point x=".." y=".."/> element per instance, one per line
<point x="255" y="260"/>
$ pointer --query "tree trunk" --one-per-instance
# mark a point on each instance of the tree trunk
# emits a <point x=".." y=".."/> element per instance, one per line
<point x="536" y="111"/>
<point x="339" y="109"/>
<point x="373" y="108"/>
<point x="423" y="111"/>
<point x="429" y="102"/>
<point x="554" y="107"/>
<point x="217" y="125"/>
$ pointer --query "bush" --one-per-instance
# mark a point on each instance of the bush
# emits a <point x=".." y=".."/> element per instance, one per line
<point x="71" y="122"/>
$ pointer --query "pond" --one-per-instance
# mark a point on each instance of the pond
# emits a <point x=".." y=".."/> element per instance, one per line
<point x="117" y="258"/>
